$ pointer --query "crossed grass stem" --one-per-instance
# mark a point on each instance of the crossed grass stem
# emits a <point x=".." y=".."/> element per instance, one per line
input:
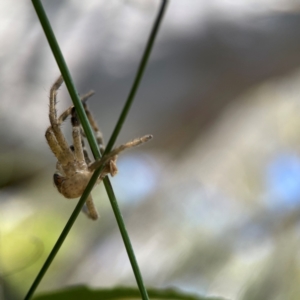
<point x="93" y="144"/>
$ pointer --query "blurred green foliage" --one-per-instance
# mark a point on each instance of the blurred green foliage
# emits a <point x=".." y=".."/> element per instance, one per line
<point x="82" y="292"/>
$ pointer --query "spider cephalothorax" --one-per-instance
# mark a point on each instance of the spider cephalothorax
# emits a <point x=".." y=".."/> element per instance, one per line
<point x="74" y="167"/>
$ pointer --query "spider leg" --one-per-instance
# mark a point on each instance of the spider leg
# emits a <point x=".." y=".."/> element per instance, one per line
<point x="77" y="143"/>
<point x="53" y="144"/>
<point x="84" y="98"/>
<point x="82" y="157"/>
<point x="54" y="135"/>
<point x="68" y="111"/>
<point x="89" y="209"/>
<point x="93" y="123"/>
<point x="52" y="141"/>
<point x="112" y="156"/>
<point x="85" y="153"/>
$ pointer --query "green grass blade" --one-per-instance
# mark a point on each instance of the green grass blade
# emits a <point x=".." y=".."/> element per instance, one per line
<point x="112" y="140"/>
<point x="126" y="240"/>
<point x="119" y="293"/>
<point x="138" y="77"/>
<point x="67" y="76"/>
<point x="93" y="144"/>
<point x="89" y="133"/>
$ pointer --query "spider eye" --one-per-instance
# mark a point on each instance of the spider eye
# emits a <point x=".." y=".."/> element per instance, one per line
<point x="57" y="179"/>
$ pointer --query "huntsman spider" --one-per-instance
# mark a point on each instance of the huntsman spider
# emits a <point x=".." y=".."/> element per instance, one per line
<point x="74" y="167"/>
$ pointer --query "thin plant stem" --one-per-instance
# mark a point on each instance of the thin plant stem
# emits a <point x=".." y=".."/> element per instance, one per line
<point x="67" y="76"/>
<point x="89" y="134"/>
<point x="93" y="144"/>
<point x="138" y="77"/>
<point x="112" y="140"/>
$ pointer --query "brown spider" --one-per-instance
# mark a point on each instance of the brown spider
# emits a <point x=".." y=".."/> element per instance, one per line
<point x="74" y="168"/>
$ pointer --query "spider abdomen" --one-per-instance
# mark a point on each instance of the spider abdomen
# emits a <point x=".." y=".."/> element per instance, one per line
<point x="72" y="186"/>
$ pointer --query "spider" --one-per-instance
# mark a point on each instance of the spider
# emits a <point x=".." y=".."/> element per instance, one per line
<point x="74" y="167"/>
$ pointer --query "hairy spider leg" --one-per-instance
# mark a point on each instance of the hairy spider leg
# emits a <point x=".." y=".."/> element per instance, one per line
<point x="54" y="135"/>
<point x="94" y="125"/>
<point x="64" y="116"/>
<point x="111" y="168"/>
<point x="116" y="151"/>
<point x="90" y="209"/>
<point x="77" y="144"/>
<point x="85" y="153"/>
<point x="68" y="111"/>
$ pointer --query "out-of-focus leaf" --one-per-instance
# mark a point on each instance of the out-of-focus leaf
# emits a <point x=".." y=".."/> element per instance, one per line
<point x="83" y="292"/>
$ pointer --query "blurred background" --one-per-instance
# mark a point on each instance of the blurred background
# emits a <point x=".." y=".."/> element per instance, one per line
<point x="212" y="204"/>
